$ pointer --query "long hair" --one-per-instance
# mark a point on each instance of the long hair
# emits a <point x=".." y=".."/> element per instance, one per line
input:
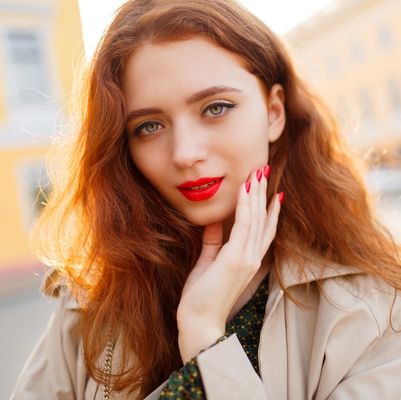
<point x="127" y="253"/>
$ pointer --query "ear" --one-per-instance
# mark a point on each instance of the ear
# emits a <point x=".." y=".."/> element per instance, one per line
<point x="276" y="112"/>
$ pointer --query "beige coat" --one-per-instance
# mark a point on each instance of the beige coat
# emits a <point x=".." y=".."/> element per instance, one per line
<point x="342" y="347"/>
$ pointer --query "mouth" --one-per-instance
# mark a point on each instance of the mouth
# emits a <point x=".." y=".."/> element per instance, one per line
<point x="201" y="192"/>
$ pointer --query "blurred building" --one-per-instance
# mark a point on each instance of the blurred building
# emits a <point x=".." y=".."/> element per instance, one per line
<point x="40" y="41"/>
<point x="351" y="52"/>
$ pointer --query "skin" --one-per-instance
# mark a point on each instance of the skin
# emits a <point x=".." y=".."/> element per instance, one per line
<point x="184" y="140"/>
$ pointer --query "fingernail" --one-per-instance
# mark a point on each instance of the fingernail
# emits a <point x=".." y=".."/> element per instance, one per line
<point x="247" y="186"/>
<point x="281" y="197"/>
<point x="259" y="174"/>
<point x="266" y="171"/>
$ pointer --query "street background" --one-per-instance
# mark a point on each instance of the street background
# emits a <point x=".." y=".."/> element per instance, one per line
<point x="347" y="49"/>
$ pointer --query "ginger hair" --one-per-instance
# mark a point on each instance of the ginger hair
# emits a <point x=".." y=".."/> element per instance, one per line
<point x="127" y="253"/>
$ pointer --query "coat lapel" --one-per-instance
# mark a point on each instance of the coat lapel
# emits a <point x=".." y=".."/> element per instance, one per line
<point x="272" y="353"/>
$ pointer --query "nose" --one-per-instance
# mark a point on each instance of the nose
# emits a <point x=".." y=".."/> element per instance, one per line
<point x="188" y="148"/>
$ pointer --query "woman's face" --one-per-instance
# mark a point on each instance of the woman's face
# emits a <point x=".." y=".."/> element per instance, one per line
<point x="195" y="111"/>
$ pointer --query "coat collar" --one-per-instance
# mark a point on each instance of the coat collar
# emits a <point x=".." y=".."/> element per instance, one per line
<point x="316" y="268"/>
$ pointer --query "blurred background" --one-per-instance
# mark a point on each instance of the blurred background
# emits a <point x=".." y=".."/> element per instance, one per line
<point x="349" y="50"/>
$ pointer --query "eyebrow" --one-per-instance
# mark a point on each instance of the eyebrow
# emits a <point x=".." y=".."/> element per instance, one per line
<point x="193" y="98"/>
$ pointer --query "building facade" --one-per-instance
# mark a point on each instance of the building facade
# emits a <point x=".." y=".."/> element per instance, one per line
<point x="351" y="52"/>
<point x="40" y="46"/>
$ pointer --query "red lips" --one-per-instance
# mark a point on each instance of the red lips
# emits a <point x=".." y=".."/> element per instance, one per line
<point x="192" y="191"/>
<point x="199" y="182"/>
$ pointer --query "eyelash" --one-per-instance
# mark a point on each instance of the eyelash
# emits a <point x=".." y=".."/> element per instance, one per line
<point x="227" y="106"/>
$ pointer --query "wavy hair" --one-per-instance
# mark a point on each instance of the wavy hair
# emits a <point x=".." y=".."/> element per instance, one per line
<point x="127" y="253"/>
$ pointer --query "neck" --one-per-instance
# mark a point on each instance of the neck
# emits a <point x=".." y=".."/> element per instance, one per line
<point x="227" y="226"/>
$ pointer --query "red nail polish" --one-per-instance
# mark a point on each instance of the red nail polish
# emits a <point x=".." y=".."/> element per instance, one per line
<point x="281" y="197"/>
<point x="247" y="186"/>
<point x="259" y="174"/>
<point x="266" y="171"/>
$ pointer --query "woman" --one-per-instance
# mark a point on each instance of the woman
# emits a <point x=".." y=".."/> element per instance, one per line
<point x="162" y="241"/>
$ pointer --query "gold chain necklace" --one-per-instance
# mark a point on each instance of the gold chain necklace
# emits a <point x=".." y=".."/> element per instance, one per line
<point x="107" y="370"/>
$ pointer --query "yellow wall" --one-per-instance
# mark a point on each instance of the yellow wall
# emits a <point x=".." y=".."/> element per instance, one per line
<point x="64" y="56"/>
<point x="68" y="44"/>
<point x="13" y="233"/>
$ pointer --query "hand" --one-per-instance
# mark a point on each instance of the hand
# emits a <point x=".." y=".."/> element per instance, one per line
<point x="223" y="272"/>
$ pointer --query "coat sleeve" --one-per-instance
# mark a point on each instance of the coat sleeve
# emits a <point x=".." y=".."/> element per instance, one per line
<point x="227" y="372"/>
<point x="363" y="354"/>
<point x="51" y="371"/>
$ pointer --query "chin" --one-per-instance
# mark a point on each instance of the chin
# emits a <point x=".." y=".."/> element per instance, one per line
<point x="207" y="217"/>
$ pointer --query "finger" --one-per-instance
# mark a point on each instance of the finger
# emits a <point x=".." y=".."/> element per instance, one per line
<point x="240" y="228"/>
<point x="249" y="251"/>
<point x="262" y="212"/>
<point x="212" y="241"/>
<point x="271" y="224"/>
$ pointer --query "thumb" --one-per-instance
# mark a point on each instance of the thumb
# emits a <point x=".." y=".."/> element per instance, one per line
<point x="212" y="241"/>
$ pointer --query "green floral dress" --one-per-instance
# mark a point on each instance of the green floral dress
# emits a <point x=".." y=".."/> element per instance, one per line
<point x="187" y="382"/>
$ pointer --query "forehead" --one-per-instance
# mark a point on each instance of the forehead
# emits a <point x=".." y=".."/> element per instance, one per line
<point x="175" y="67"/>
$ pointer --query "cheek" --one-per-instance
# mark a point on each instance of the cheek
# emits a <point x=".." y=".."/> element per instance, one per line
<point x="251" y="139"/>
<point x="140" y="160"/>
<point x="252" y="151"/>
<point x="151" y="163"/>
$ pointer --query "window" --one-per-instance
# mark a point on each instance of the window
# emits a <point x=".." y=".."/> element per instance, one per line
<point x="357" y="51"/>
<point x="384" y="36"/>
<point x="26" y="66"/>
<point x="39" y="189"/>
<point x="366" y="104"/>
<point x="394" y="94"/>
<point x="368" y="126"/>
<point x="332" y="63"/>
<point x="34" y="189"/>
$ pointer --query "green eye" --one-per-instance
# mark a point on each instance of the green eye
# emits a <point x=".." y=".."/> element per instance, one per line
<point x="151" y="127"/>
<point x="147" y="128"/>
<point x="217" y="109"/>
